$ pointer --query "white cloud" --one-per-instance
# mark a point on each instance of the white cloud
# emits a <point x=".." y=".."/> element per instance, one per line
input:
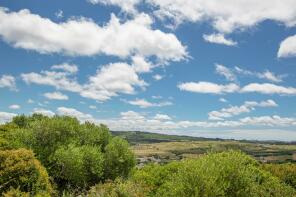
<point x="56" y="96"/>
<point x="268" y="88"/>
<point x="70" y="68"/>
<point x="226" y="72"/>
<point x="142" y="103"/>
<point x="111" y="80"/>
<point x="83" y="37"/>
<point x="213" y="88"/>
<point x="287" y="47"/>
<point x="134" y="121"/>
<point x="141" y="65"/>
<point x="208" y="87"/>
<point x="157" y="77"/>
<point x="59" y="80"/>
<point x="8" y="81"/>
<point x="74" y="113"/>
<point x="131" y="115"/>
<point x="264" y="75"/>
<point x="248" y="106"/>
<point x="162" y="117"/>
<point x="6" y="117"/>
<point x="44" y="112"/>
<point x="227" y="16"/>
<point x="268" y="121"/>
<point x="128" y="6"/>
<point x="219" y="39"/>
<point x="223" y="100"/>
<point x="14" y="106"/>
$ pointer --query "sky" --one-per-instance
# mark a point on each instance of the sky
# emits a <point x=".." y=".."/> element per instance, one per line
<point x="207" y="68"/>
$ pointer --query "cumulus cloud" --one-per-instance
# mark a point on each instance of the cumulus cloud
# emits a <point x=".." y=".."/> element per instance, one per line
<point x="231" y="111"/>
<point x="14" y="106"/>
<point x="83" y="37"/>
<point x="59" y="80"/>
<point x="287" y="47"/>
<point x="74" y="113"/>
<point x="268" y="88"/>
<point x="208" y="87"/>
<point x="235" y="15"/>
<point x="141" y="65"/>
<point x="135" y="121"/>
<point x="142" y="103"/>
<point x="219" y="39"/>
<point x="6" y="117"/>
<point x="56" y="96"/>
<point x="111" y="80"/>
<point x="8" y="81"/>
<point x="213" y="88"/>
<point x="70" y="68"/>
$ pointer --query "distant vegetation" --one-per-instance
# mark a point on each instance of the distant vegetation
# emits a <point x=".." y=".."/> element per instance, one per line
<point x="59" y="156"/>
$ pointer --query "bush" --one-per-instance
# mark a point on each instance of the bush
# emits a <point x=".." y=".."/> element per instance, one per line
<point x="285" y="172"/>
<point x="221" y="174"/>
<point x="119" y="159"/>
<point x="80" y="166"/>
<point x="19" y="169"/>
<point x="118" y="188"/>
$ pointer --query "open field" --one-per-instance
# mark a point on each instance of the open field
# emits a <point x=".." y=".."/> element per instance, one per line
<point x="159" y="148"/>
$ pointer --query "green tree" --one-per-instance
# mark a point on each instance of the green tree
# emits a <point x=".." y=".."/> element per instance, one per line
<point x="119" y="159"/>
<point x="79" y="166"/>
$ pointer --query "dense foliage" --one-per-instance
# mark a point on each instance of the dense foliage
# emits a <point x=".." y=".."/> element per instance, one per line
<point x="75" y="155"/>
<point x="286" y="172"/>
<point x="216" y="174"/>
<point x="59" y="156"/>
<point x="20" y="169"/>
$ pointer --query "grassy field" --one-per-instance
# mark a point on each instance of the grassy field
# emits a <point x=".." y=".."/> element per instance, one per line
<point x="159" y="148"/>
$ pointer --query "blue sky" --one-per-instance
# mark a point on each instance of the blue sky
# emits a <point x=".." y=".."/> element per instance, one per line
<point x="203" y="68"/>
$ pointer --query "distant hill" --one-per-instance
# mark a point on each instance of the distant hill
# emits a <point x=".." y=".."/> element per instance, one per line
<point x="140" y="137"/>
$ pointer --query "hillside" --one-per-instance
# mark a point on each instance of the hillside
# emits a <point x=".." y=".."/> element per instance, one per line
<point x="161" y="148"/>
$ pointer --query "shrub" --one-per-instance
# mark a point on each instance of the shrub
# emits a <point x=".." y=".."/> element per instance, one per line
<point x="19" y="169"/>
<point x="118" y="188"/>
<point x="119" y="159"/>
<point x="285" y="172"/>
<point x="80" y="166"/>
<point x="221" y="174"/>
